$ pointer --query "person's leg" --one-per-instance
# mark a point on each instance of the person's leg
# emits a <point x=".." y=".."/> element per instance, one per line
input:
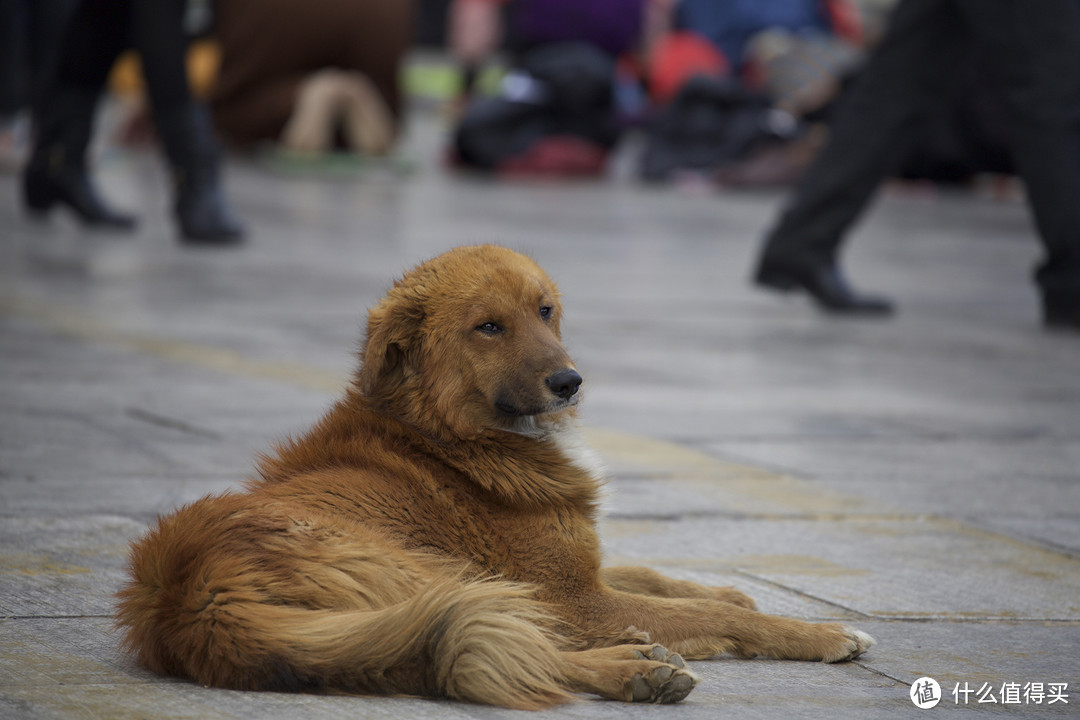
<point x="47" y="22"/>
<point x="1034" y="51"/>
<point x="183" y="124"/>
<point x="63" y="114"/>
<point x="867" y="136"/>
<point x="13" y="58"/>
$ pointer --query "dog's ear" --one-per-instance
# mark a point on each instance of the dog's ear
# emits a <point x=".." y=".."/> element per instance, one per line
<point x="391" y="343"/>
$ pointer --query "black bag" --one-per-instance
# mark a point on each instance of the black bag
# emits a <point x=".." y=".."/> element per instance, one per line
<point x="557" y="89"/>
<point x="709" y="123"/>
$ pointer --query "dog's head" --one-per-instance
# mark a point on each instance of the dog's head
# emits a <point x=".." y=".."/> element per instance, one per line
<point x="470" y="341"/>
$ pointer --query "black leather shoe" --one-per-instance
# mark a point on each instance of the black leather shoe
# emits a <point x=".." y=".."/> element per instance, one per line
<point x="825" y="284"/>
<point x="44" y="187"/>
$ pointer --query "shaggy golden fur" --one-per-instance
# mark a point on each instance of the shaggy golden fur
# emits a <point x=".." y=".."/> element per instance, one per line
<point x="434" y="534"/>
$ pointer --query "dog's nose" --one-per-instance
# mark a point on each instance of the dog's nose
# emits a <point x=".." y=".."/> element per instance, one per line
<point x="564" y="383"/>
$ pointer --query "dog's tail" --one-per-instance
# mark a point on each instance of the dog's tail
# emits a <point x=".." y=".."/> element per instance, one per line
<point x="487" y="642"/>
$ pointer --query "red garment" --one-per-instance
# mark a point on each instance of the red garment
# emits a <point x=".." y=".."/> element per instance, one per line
<point x="679" y="56"/>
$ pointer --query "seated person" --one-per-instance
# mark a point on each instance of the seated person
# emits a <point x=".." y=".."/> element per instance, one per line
<point x="314" y="75"/>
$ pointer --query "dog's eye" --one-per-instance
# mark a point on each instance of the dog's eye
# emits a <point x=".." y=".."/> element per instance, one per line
<point x="489" y="328"/>
<point x="545" y="312"/>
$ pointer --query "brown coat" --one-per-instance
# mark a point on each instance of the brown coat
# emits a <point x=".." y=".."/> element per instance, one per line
<point x="270" y="46"/>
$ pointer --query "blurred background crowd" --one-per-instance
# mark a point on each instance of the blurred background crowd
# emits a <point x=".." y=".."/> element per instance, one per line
<point x="729" y="91"/>
<point x="714" y="93"/>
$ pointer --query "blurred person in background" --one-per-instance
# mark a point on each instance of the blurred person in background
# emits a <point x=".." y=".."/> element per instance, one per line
<point x="63" y="119"/>
<point x="313" y="75"/>
<point x="1032" y="50"/>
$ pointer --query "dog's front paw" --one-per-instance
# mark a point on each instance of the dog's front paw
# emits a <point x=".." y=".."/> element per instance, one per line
<point x="666" y="682"/>
<point x="848" y="645"/>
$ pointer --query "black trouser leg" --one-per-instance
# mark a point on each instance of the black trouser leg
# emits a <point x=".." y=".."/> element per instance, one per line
<point x="1034" y="49"/>
<point x="183" y="124"/>
<point x="13" y="53"/>
<point x="157" y="34"/>
<point x="873" y="123"/>
<point x="47" y="25"/>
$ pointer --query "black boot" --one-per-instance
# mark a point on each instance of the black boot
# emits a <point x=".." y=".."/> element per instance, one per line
<point x="202" y="211"/>
<point x="56" y="171"/>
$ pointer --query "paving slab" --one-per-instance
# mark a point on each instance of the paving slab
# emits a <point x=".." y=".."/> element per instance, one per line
<point x="64" y="566"/>
<point x="949" y="570"/>
<point x="976" y="653"/>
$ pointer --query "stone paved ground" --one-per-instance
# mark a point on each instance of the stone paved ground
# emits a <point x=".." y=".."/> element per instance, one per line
<point x="918" y="477"/>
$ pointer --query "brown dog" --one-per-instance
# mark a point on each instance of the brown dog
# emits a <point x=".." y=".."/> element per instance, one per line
<point x="435" y="534"/>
